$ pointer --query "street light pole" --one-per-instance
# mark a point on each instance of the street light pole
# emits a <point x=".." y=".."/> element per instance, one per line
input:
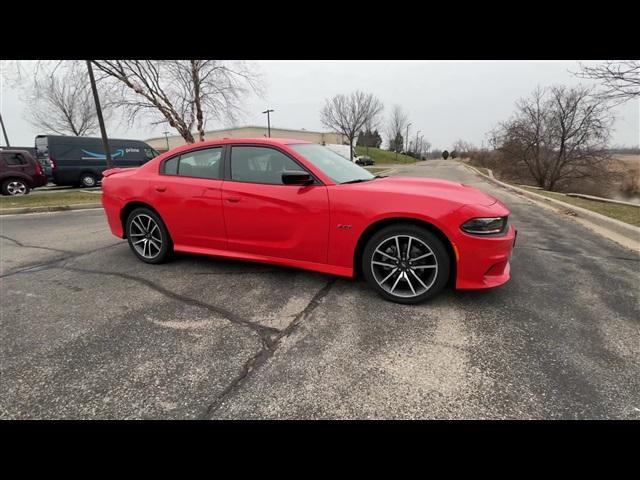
<point x="268" y="120"/>
<point x="416" y="144"/>
<point x="4" y="132"/>
<point x="103" y="131"/>
<point x="166" y="136"/>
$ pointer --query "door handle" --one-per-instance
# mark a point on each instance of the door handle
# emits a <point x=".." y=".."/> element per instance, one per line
<point x="160" y="189"/>
<point x="233" y="199"/>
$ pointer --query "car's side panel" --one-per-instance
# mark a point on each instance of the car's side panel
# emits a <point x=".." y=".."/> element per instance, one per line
<point x="350" y="216"/>
<point x="191" y="208"/>
<point x="284" y="221"/>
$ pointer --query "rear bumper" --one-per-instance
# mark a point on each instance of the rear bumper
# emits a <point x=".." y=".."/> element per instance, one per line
<point x="112" y="208"/>
<point x="484" y="261"/>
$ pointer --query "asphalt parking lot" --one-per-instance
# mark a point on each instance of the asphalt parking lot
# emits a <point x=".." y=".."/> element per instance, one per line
<point x="90" y="332"/>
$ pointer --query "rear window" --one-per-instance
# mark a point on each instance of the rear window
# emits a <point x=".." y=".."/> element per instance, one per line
<point x="14" y="159"/>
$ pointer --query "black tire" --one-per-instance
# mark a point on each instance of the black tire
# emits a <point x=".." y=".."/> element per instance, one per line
<point x="11" y="186"/>
<point x="133" y="232"/>
<point x="88" y="180"/>
<point x="433" y="278"/>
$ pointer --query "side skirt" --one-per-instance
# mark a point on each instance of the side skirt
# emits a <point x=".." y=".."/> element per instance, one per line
<point x="287" y="262"/>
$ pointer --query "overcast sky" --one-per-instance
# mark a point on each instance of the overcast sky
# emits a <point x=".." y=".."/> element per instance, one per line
<point x="445" y="100"/>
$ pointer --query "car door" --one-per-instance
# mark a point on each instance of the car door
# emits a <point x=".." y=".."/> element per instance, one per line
<point x="265" y="217"/>
<point x="187" y="192"/>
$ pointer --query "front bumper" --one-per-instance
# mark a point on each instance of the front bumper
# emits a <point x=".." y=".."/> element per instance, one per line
<point x="483" y="262"/>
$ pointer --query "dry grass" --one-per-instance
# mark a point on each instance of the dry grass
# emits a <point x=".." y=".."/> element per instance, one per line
<point x="48" y="200"/>
<point x="625" y="213"/>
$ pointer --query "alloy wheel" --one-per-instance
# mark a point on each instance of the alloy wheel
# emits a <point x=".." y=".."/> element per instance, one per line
<point x="146" y="236"/>
<point x="404" y="266"/>
<point x="16" y="188"/>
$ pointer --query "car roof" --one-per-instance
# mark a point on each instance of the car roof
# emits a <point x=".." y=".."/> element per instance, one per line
<point x="81" y="138"/>
<point x="14" y="150"/>
<point x="266" y="141"/>
<point x="229" y="140"/>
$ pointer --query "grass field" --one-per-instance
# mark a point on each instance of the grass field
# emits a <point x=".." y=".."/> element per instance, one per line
<point x="49" y="200"/>
<point x="625" y="213"/>
<point x="384" y="156"/>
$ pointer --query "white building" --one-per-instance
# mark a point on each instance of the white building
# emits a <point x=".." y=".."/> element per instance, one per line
<point x="160" y="143"/>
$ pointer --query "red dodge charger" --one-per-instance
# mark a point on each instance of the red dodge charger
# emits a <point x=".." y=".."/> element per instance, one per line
<point x="299" y="204"/>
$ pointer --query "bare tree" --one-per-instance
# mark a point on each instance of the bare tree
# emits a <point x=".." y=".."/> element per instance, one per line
<point x="559" y="133"/>
<point x="348" y="114"/>
<point x="62" y="102"/>
<point x="183" y="93"/>
<point x="463" y="148"/>
<point x="620" y="79"/>
<point x="395" y="128"/>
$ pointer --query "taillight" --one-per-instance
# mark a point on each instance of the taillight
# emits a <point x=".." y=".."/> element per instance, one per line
<point x="38" y="168"/>
<point x="53" y="164"/>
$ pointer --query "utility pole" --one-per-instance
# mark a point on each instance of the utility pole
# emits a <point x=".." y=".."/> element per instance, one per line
<point x="166" y="136"/>
<point x="268" y="120"/>
<point x="4" y="132"/>
<point x="103" y="131"/>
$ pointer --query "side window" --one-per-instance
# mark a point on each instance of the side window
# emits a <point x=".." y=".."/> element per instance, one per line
<point x="170" y="167"/>
<point x="14" y="159"/>
<point x="199" y="163"/>
<point x="260" y="165"/>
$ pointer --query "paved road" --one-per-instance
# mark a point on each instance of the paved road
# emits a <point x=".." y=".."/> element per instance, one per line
<point x="89" y="332"/>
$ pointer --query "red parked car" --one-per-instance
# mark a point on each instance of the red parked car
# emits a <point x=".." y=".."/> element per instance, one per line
<point x="19" y="172"/>
<point x="299" y="204"/>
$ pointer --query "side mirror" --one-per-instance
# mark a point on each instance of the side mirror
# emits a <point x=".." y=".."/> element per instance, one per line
<point x="296" y="177"/>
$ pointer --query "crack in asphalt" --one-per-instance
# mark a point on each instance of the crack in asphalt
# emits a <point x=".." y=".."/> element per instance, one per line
<point x="53" y="263"/>
<point x="268" y="350"/>
<point x="266" y="334"/>
<point x="22" y="245"/>
<point x="270" y="338"/>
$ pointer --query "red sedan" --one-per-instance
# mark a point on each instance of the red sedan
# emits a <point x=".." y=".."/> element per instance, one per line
<point x="299" y="204"/>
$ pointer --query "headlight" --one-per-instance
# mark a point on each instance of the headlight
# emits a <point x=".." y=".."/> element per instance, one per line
<point x="485" y="225"/>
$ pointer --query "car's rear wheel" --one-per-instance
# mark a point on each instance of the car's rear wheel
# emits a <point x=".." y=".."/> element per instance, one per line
<point x="406" y="263"/>
<point x="15" y="186"/>
<point x="148" y="236"/>
<point x="88" y="180"/>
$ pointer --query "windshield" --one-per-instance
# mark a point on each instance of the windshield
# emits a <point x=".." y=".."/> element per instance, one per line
<point x="336" y="167"/>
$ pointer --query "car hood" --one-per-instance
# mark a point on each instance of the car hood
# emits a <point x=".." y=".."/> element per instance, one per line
<point x="432" y="187"/>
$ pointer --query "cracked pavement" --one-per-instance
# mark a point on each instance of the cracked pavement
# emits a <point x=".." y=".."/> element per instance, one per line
<point x="90" y="332"/>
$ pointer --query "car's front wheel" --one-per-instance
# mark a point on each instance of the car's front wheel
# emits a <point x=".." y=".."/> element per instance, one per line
<point x="406" y="263"/>
<point x="148" y="236"/>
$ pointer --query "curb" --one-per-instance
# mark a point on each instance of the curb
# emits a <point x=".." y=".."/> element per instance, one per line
<point x="609" y="227"/>
<point x="53" y="208"/>
<point x="601" y="199"/>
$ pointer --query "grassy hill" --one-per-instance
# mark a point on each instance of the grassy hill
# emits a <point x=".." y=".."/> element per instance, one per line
<point x="384" y="156"/>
